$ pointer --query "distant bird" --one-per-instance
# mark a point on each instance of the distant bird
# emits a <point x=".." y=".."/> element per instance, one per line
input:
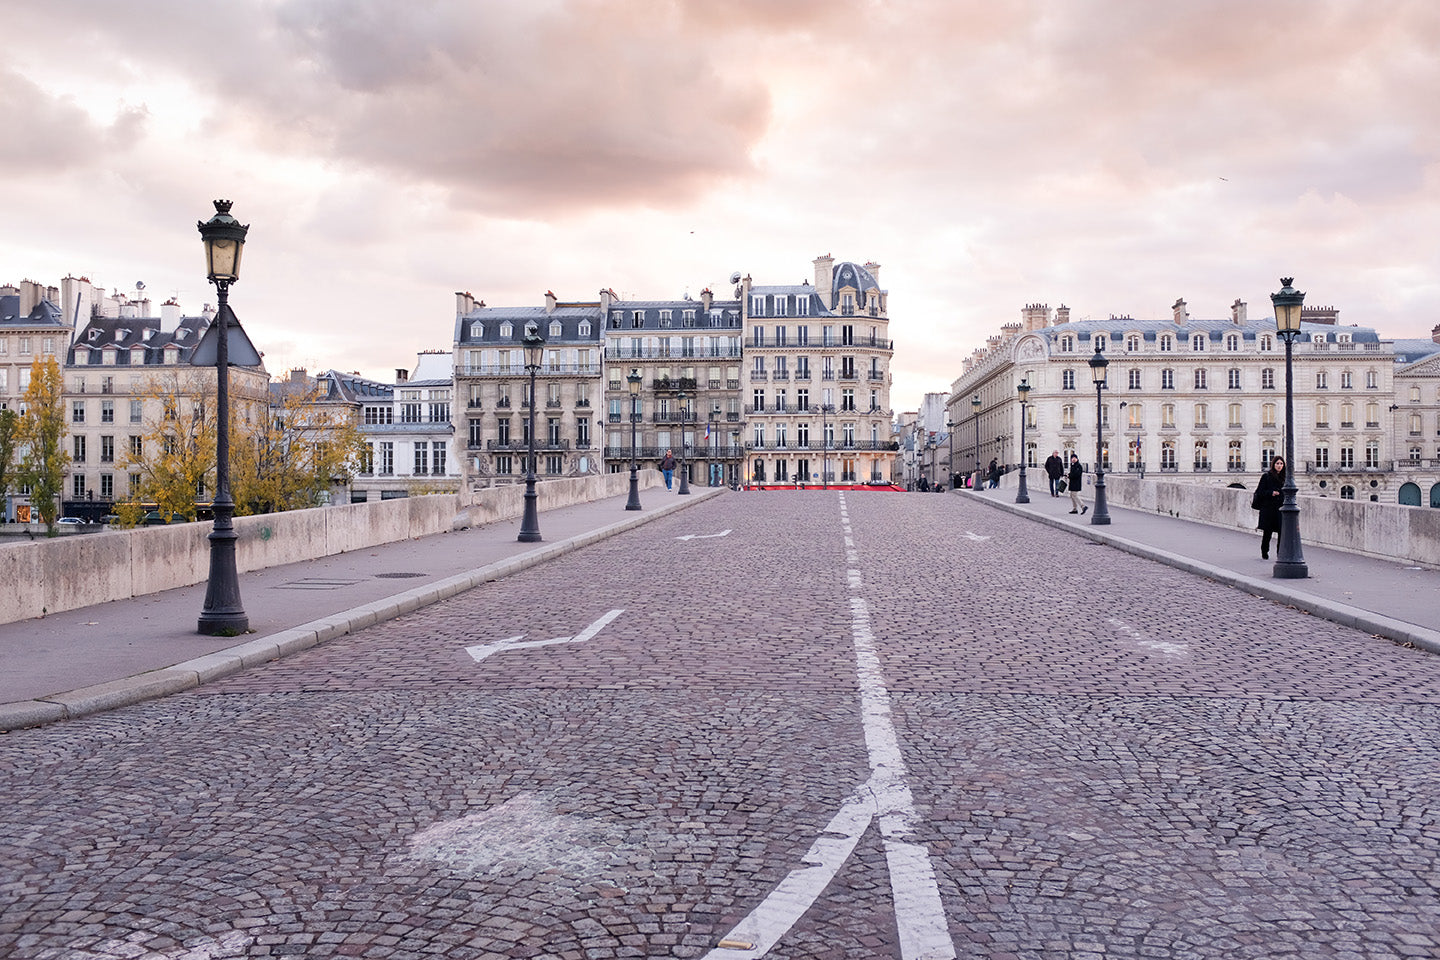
<point x="1226" y="179"/>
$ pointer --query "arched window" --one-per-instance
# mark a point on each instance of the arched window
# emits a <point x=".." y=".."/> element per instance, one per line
<point x="1235" y="456"/>
<point x="1347" y="492"/>
<point x="1102" y="342"/>
<point x="1133" y="455"/>
<point x="1167" y="343"/>
<point x="1409" y="495"/>
<point x="1267" y="454"/>
<point x="1414" y="394"/>
<point x="1132" y="342"/>
<point x="1267" y="343"/>
<point x="1197" y="342"/>
<point x="1232" y="341"/>
<point x="1435" y="495"/>
<point x="1202" y="455"/>
<point x="1267" y="415"/>
<point x="1067" y="344"/>
<point x="1167" y="455"/>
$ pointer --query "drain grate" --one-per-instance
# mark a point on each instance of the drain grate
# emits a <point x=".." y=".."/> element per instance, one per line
<point x="398" y="576"/>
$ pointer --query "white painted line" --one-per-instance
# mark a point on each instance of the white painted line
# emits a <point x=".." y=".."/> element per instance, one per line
<point x="975" y="536"/>
<point x="919" y="915"/>
<point x="704" y="536"/>
<point x="482" y="650"/>
<point x="1142" y="640"/>
<point x="794" y="895"/>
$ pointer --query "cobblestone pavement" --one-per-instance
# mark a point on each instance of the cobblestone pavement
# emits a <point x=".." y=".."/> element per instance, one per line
<point x="1097" y="757"/>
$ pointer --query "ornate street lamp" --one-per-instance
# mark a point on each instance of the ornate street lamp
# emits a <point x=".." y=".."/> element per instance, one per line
<point x="684" y="482"/>
<point x="738" y="454"/>
<point x="224" y="239"/>
<point x="1290" y="562"/>
<point x="634" y="381"/>
<point x="534" y="346"/>
<point x="1022" y="388"/>
<point x="975" y="409"/>
<point x="1098" y="363"/>
<point x="950" y="457"/>
<point x="825" y="411"/>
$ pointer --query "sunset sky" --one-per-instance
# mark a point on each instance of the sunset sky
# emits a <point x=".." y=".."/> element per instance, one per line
<point x="1111" y="155"/>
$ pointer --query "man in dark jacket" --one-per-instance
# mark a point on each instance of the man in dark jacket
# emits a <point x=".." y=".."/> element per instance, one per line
<point x="1054" y="469"/>
<point x="1073" y="484"/>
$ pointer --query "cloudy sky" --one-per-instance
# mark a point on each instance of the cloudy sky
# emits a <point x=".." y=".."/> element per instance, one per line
<point x="1112" y="155"/>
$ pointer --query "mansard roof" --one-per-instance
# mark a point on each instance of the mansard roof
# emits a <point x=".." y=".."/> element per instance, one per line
<point x="1408" y="351"/>
<point x="650" y="319"/>
<point x="847" y="274"/>
<point x="43" y="314"/>
<point x="1118" y="327"/>
<point x="128" y="333"/>
<point x="492" y="319"/>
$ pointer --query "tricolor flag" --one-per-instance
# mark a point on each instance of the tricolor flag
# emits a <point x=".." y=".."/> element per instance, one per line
<point x="707" y="431"/>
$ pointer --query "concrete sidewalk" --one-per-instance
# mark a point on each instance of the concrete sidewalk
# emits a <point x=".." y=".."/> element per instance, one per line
<point x="1391" y="599"/>
<point x="96" y="658"/>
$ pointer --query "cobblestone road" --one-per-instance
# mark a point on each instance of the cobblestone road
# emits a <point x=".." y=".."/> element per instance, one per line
<point x="1057" y="750"/>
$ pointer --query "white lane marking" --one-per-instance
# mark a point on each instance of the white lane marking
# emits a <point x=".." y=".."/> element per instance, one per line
<point x="482" y="650"/>
<point x="232" y="944"/>
<point x="974" y="536"/>
<point x="794" y="895"/>
<point x="919" y="915"/>
<point x="1141" y="640"/>
<point x="704" y="536"/>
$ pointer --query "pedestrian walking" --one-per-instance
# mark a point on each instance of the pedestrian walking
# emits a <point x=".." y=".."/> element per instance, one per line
<point x="1269" y="494"/>
<point x="1054" y="469"/>
<point x="667" y="467"/>
<point x="1073" y="486"/>
<point x="994" y="472"/>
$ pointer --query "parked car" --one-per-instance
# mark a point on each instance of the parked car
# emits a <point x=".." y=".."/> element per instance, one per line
<point x="69" y="520"/>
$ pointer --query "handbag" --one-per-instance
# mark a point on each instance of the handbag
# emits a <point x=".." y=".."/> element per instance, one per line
<point x="1060" y="484"/>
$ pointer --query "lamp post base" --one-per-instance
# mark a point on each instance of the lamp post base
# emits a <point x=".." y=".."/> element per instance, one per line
<point x="223" y="615"/>
<point x="1291" y="570"/>
<point x="684" y="481"/>
<point x="634" y="502"/>
<point x="1023" y="496"/>
<point x="1101" y="517"/>
<point x="530" y="525"/>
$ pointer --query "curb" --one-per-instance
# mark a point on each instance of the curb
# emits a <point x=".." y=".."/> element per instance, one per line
<point x="191" y="673"/>
<point x="1341" y="613"/>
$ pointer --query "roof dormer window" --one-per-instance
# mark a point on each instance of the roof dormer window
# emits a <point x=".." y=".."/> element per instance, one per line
<point x="477" y="330"/>
<point x="585" y="328"/>
<point x="555" y="328"/>
<point x="507" y="329"/>
<point x="94" y="335"/>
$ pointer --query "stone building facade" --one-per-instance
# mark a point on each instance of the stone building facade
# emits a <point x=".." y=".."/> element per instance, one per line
<point x="1202" y="399"/>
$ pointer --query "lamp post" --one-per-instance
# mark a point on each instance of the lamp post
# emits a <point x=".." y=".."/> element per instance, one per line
<point x="975" y="409"/>
<point x="950" y="456"/>
<point x="223" y="614"/>
<point x="1022" y="388"/>
<point x="634" y="381"/>
<point x="739" y="459"/>
<point x="1290" y="562"/>
<point x="684" y="470"/>
<point x="1098" y="363"/>
<point x="530" y="524"/>
<point x="825" y="409"/>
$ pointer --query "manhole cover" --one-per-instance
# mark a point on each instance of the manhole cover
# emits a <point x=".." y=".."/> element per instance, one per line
<point x="398" y="576"/>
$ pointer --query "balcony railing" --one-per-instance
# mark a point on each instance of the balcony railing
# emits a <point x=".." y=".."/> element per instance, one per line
<point x="518" y="370"/>
<point x="514" y="446"/>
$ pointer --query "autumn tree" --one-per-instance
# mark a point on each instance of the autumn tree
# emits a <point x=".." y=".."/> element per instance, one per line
<point x="41" y="437"/>
<point x="9" y="443"/>
<point x="289" y="458"/>
<point x="175" y="455"/>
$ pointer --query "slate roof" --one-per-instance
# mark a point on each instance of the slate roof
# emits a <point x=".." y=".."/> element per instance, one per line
<point x="1214" y="330"/>
<point x="651" y="322"/>
<point x="126" y="333"/>
<point x="1409" y="351"/>
<point x="492" y="320"/>
<point x="43" y="314"/>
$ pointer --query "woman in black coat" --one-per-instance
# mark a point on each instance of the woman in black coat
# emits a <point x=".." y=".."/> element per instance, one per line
<point x="1269" y="494"/>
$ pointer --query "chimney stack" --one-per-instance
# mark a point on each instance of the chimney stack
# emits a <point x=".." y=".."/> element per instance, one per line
<point x="825" y="278"/>
<point x="401" y="375"/>
<point x="464" y="303"/>
<point x="706" y="297"/>
<point x="1237" y="312"/>
<point x="1181" y="314"/>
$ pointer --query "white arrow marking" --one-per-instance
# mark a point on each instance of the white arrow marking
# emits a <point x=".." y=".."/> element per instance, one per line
<point x="974" y="536"/>
<point x="704" y="536"/>
<point x="482" y="650"/>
